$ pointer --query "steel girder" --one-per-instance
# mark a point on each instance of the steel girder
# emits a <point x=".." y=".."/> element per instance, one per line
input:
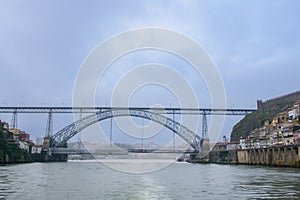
<point x="71" y="130"/>
<point x="181" y="111"/>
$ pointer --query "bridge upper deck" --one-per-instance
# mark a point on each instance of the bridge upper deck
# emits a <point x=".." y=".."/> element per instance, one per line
<point x="181" y="111"/>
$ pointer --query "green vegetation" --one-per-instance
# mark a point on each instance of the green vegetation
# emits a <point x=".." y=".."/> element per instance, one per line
<point x="3" y="147"/>
<point x="250" y="122"/>
<point x="257" y="119"/>
<point x="10" y="152"/>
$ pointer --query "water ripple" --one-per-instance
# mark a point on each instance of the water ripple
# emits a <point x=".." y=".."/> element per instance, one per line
<point x="91" y="180"/>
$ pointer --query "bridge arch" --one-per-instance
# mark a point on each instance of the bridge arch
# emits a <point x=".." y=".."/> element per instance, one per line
<point x="65" y="134"/>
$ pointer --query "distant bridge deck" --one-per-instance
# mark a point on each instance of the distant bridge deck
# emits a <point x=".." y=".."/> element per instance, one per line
<point x="76" y="151"/>
<point x="182" y="111"/>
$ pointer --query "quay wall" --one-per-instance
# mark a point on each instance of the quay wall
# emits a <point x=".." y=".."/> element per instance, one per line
<point x="284" y="156"/>
<point x="278" y="102"/>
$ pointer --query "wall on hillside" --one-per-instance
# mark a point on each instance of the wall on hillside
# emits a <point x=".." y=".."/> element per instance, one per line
<point x="266" y="111"/>
<point x="273" y="104"/>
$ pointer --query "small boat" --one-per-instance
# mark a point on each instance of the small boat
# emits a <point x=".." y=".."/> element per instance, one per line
<point x="180" y="159"/>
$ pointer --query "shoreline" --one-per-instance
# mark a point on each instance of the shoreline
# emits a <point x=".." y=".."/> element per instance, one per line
<point x="281" y="156"/>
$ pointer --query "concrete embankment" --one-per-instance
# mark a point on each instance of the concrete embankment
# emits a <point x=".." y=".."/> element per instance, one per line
<point x="25" y="157"/>
<point x="285" y="156"/>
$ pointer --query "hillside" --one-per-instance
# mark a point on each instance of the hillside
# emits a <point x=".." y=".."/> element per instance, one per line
<point x="266" y="111"/>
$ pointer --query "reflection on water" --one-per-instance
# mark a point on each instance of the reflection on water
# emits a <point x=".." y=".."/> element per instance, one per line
<point x="93" y="180"/>
<point x="5" y="189"/>
<point x="137" y="166"/>
<point x="271" y="183"/>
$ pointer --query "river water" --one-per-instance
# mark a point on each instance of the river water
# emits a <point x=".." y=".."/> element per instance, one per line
<point x="93" y="180"/>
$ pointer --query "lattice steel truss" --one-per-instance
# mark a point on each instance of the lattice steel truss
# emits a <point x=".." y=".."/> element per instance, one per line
<point x="176" y="111"/>
<point x="69" y="131"/>
<point x="102" y="113"/>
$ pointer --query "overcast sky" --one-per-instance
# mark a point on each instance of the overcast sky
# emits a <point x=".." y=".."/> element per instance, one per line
<point x="255" y="45"/>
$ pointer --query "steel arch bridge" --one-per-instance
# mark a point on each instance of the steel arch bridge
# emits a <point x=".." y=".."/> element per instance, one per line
<point x="61" y="137"/>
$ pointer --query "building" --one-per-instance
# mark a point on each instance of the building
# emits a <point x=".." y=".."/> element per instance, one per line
<point x="294" y="113"/>
<point x="281" y="117"/>
<point x="4" y="125"/>
<point x="283" y="130"/>
<point x="23" y="139"/>
<point x="21" y="135"/>
<point x="24" y="145"/>
<point x="287" y="134"/>
<point x="36" y="148"/>
<point x="226" y="146"/>
<point x="220" y="146"/>
<point x="4" y="130"/>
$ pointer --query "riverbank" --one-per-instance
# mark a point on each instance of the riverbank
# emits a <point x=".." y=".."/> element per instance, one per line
<point x="11" y="153"/>
<point x="281" y="156"/>
<point x="16" y="147"/>
<point x="16" y="156"/>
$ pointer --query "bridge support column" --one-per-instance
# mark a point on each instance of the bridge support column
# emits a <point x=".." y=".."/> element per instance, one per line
<point x="48" y="156"/>
<point x="46" y="153"/>
<point x="205" y="144"/>
<point x="110" y="135"/>
<point x="49" y="127"/>
<point x="204" y="126"/>
<point x="14" y="119"/>
<point x="174" y="132"/>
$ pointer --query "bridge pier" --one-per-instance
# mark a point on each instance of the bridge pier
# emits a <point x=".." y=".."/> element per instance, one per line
<point x="14" y="119"/>
<point x="205" y="149"/>
<point x="47" y="155"/>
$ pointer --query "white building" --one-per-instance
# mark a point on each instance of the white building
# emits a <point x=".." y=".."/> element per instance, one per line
<point x="294" y="112"/>
<point x="24" y="145"/>
<point x="36" y="149"/>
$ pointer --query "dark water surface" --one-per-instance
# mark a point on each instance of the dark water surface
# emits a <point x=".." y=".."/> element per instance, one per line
<point x="93" y="180"/>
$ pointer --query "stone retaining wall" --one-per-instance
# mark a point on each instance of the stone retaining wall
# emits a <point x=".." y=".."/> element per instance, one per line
<point x="287" y="156"/>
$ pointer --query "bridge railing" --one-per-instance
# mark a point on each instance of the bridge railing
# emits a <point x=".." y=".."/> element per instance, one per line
<point x="182" y="111"/>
